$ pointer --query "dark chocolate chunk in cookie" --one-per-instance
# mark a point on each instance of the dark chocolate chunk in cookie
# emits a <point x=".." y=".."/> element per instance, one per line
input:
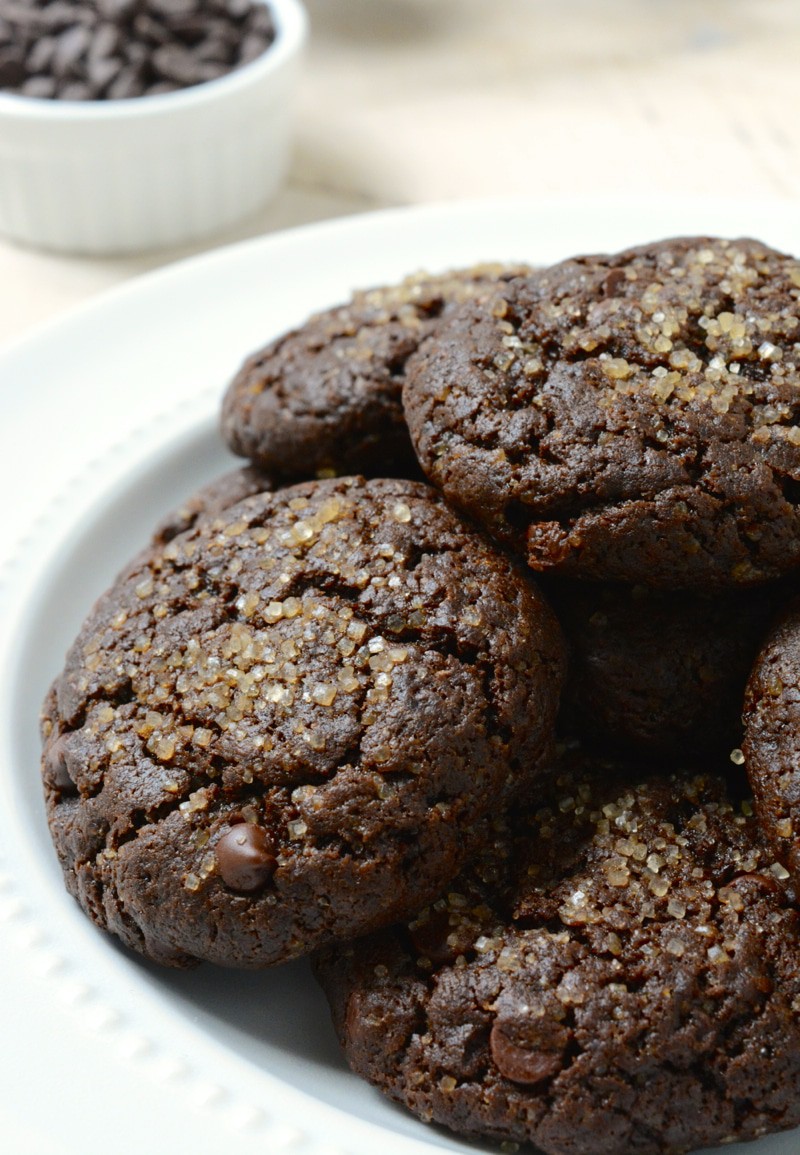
<point x="772" y="738"/>
<point x="632" y="418"/>
<point x="327" y="396"/>
<point x="619" y="972"/>
<point x="246" y="857"/>
<point x="282" y="726"/>
<point x="659" y="673"/>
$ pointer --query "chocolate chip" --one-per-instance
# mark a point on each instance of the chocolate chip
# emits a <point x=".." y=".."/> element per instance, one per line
<point x="518" y="1063"/>
<point x="70" y="47"/>
<point x="213" y="49"/>
<point x="12" y="70"/>
<point x="101" y="72"/>
<point x="41" y="54"/>
<point x="136" y="54"/>
<point x="211" y="70"/>
<point x="105" y="41"/>
<point x="76" y="90"/>
<point x="253" y="46"/>
<point x="127" y="84"/>
<point x="56" y="773"/>
<point x="172" y="62"/>
<point x="42" y="87"/>
<point x="150" y="30"/>
<point x="246" y="858"/>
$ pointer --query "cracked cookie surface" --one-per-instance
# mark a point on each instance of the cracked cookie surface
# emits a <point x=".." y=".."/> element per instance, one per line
<point x="619" y="972"/>
<point x="328" y="394"/>
<point x="633" y="417"/>
<point x="280" y="727"/>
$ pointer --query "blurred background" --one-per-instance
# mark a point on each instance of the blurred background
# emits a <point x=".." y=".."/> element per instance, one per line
<point x="408" y="101"/>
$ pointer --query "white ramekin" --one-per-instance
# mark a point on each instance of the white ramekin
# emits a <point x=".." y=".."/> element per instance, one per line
<point x="129" y="175"/>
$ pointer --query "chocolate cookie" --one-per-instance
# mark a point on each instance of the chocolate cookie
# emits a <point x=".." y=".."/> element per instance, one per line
<point x="633" y="417"/>
<point x="772" y="738"/>
<point x="618" y="974"/>
<point x="328" y="395"/>
<point x="214" y="499"/>
<point x="656" y="672"/>
<point x="280" y="728"/>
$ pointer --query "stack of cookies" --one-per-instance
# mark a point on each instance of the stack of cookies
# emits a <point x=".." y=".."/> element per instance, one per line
<point x="480" y="684"/>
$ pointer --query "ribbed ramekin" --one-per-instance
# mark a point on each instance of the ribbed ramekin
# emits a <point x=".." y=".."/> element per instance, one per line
<point x="129" y="175"/>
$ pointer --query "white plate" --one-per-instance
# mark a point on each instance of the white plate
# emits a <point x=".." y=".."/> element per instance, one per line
<point x="108" y="420"/>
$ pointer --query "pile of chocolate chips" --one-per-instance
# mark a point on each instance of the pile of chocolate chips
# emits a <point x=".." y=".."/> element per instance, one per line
<point x="117" y="49"/>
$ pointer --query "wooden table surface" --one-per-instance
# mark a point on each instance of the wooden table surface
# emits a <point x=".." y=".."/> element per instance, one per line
<point x="408" y="101"/>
